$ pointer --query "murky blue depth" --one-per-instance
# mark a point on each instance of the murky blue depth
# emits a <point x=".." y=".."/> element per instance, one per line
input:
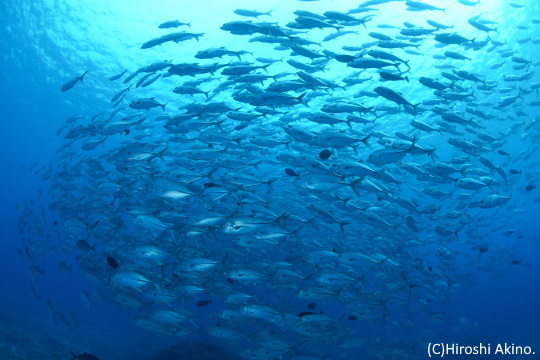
<point x="271" y="180"/>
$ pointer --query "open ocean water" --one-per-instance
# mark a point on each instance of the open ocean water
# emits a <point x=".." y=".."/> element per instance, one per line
<point x="269" y="180"/>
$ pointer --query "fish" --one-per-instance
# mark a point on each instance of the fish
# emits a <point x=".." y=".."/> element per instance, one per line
<point x="173" y="24"/>
<point x="452" y="38"/>
<point x="70" y="84"/>
<point x="422" y="6"/>
<point x="251" y="13"/>
<point x="394" y="96"/>
<point x="146" y="104"/>
<point x="118" y="76"/>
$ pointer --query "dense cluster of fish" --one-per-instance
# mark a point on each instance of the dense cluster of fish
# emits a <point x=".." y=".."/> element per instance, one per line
<point x="299" y="211"/>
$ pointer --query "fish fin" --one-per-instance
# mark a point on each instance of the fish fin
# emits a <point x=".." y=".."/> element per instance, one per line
<point x="353" y="185"/>
<point x="218" y="124"/>
<point x="456" y="233"/>
<point x="344" y="203"/>
<point x="160" y="154"/>
<point x="430" y="153"/>
<point x="223" y="263"/>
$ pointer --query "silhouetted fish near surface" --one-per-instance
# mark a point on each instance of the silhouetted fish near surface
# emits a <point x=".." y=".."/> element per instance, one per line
<point x="67" y="86"/>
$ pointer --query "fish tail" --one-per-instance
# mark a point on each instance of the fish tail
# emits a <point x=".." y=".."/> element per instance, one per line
<point x="91" y="228"/>
<point x="218" y="124"/>
<point x="256" y="165"/>
<point x="296" y="231"/>
<point x="74" y="356"/>
<point x="345" y="201"/>
<point x="413" y="141"/>
<point x="456" y="233"/>
<point x="407" y="64"/>
<point x="365" y="141"/>
<point x="270" y="182"/>
<point x="287" y="143"/>
<point x="301" y="99"/>
<point x="223" y="263"/>
<point x="160" y="154"/>
<point x="342" y="225"/>
<point x="212" y="95"/>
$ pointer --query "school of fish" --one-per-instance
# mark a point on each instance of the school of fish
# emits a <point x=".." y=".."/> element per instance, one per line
<point x="265" y="204"/>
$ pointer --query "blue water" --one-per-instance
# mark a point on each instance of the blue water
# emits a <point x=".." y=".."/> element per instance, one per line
<point x="45" y="44"/>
